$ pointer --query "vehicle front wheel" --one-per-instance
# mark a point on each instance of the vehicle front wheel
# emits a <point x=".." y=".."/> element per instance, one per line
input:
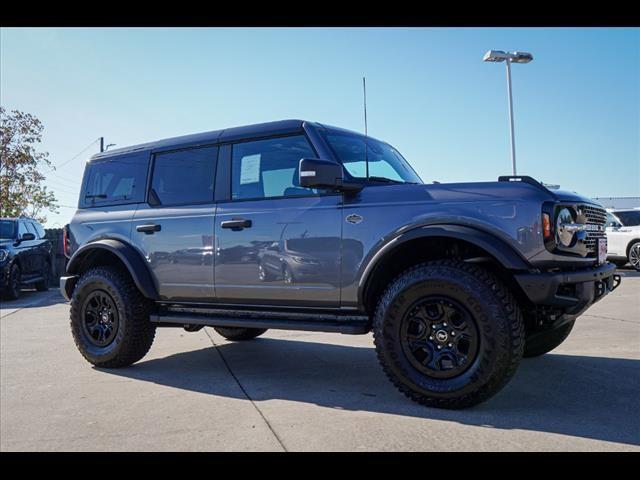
<point x="634" y="256"/>
<point x="43" y="285"/>
<point x="540" y="343"/>
<point x="14" y="283"/>
<point x="448" y="334"/>
<point x="110" y="318"/>
<point x="239" y="333"/>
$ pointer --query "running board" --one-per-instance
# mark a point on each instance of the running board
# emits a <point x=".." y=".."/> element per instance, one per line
<point x="180" y="319"/>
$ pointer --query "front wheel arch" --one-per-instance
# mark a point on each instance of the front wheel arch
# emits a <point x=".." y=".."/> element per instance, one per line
<point x="497" y="252"/>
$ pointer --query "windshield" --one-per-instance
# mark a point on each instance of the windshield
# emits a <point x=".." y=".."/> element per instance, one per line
<point x="368" y="158"/>
<point x="7" y="229"/>
<point x="629" y="219"/>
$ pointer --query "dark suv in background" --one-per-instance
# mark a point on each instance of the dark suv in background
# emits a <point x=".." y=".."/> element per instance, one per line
<point x="25" y="256"/>
<point x="298" y="225"/>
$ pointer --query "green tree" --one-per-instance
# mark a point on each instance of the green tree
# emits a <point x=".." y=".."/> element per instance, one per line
<point x="21" y="179"/>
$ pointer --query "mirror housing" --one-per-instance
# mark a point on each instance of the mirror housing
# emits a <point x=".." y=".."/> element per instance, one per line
<point x="318" y="173"/>
<point x="27" y="236"/>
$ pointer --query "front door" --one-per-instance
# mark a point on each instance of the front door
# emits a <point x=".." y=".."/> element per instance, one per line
<point x="276" y="242"/>
<point x="174" y="230"/>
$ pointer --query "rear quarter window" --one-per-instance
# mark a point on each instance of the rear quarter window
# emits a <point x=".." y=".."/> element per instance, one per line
<point x="115" y="181"/>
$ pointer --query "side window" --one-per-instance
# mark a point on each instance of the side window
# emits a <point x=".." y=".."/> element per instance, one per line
<point x="611" y="221"/>
<point x="183" y="177"/>
<point x="269" y="168"/>
<point x="31" y="228"/>
<point x="116" y="180"/>
<point x="22" y="229"/>
<point x="40" y="230"/>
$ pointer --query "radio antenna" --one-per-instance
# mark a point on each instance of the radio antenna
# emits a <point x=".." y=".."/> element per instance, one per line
<point x="366" y="153"/>
<point x="364" y="92"/>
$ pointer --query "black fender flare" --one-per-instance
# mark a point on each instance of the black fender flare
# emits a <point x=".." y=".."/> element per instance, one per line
<point x="506" y="255"/>
<point x="127" y="254"/>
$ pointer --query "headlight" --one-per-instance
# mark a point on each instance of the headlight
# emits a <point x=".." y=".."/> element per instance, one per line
<point x="3" y="255"/>
<point x="565" y="227"/>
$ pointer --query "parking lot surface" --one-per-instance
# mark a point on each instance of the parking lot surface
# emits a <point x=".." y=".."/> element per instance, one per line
<point x="306" y="391"/>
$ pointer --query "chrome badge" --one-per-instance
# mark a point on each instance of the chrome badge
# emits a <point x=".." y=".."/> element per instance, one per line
<point x="354" y="218"/>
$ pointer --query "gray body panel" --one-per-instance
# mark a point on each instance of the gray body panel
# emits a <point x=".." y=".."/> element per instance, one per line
<point x="328" y="258"/>
<point x="309" y="227"/>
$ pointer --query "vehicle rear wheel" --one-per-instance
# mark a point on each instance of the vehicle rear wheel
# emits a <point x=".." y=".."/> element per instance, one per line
<point x="448" y="334"/>
<point x="14" y="283"/>
<point x="239" y="333"/>
<point x="540" y="343"/>
<point x="43" y="285"/>
<point x="634" y="256"/>
<point x="110" y="318"/>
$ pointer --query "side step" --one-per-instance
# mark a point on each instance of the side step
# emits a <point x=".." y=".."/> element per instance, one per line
<point x="330" y="323"/>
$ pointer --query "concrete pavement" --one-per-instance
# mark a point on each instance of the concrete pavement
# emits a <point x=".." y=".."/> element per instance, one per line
<point x="306" y="391"/>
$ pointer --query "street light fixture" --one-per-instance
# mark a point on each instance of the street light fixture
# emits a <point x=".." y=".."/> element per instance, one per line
<point x="509" y="58"/>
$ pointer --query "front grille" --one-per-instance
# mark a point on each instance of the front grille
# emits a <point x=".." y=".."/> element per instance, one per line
<point x="593" y="216"/>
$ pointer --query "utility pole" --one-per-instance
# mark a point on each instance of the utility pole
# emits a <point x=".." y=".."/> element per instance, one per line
<point x="101" y="144"/>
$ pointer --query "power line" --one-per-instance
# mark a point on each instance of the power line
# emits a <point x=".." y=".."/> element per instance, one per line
<point x="72" y="159"/>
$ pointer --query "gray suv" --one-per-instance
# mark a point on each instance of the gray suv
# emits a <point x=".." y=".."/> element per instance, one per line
<point x="302" y="226"/>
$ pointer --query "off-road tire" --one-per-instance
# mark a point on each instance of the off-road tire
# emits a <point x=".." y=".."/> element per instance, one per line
<point x="135" y="333"/>
<point x="496" y="314"/>
<point x="43" y="285"/>
<point x="545" y="342"/>
<point x="239" y="333"/>
<point x="12" y="291"/>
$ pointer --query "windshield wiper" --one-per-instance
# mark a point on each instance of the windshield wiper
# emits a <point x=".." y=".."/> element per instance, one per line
<point x="384" y="179"/>
<point x="98" y="195"/>
<point x="389" y="180"/>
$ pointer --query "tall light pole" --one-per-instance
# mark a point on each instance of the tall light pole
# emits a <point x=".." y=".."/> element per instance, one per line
<point x="509" y="58"/>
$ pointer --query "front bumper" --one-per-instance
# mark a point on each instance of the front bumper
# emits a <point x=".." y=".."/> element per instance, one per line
<point x="572" y="291"/>
<point x="67" y="285"/>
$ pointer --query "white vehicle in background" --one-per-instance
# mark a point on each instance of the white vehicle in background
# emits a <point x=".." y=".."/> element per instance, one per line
<point x="623" y="237"/>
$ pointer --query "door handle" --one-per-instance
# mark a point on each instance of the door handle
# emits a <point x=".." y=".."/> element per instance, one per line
<point x="148" y="229"/>
<point x="236" y="224"/>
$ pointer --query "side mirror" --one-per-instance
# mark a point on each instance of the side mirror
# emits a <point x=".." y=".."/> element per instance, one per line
<point x="318" y="173"/>
<point x="27" y="236"/>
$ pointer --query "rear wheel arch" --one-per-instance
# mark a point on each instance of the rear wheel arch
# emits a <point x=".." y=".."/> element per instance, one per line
<point x="115" y="252"/>
<point x="431" y="243"/>
<point x="630" y="244"/>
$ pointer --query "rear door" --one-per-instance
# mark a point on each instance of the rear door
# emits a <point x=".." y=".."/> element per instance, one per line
<point x="174" y="229"/>
<point x="276" y="242"/>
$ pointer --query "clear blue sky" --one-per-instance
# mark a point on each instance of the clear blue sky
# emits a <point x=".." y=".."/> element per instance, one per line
<point x="577" y="105"/>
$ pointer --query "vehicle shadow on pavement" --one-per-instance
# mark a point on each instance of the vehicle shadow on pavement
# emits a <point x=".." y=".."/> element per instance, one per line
<point x="33" y="298"/>
<point x="580" y="396"/>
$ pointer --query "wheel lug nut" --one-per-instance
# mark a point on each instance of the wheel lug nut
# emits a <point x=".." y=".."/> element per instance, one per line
<point x="430" y="338"/>
<point x="444" y="324"/>
<point x="453" y="334"/>
<point x="439" y="347"/>
<point x="449" y="345"/>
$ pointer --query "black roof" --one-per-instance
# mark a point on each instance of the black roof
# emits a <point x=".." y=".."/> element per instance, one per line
<point x="228" y="134"/>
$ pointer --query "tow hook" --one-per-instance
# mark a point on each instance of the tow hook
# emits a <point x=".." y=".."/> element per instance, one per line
<point x="607" y="285"/>
<point x="617" y="279"/>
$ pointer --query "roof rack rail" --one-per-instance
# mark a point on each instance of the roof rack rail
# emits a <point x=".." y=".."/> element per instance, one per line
<point x="525" y="179"/>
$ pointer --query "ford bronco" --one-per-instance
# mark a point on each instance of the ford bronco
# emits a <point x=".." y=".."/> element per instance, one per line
<point x="302" y="226"/>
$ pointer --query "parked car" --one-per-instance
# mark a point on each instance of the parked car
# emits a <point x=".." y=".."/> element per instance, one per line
<point x="25" y="256"/>
<point x="623" y="234"/>
<point x="296" y="259"/>
<point x="456" y="281"/>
